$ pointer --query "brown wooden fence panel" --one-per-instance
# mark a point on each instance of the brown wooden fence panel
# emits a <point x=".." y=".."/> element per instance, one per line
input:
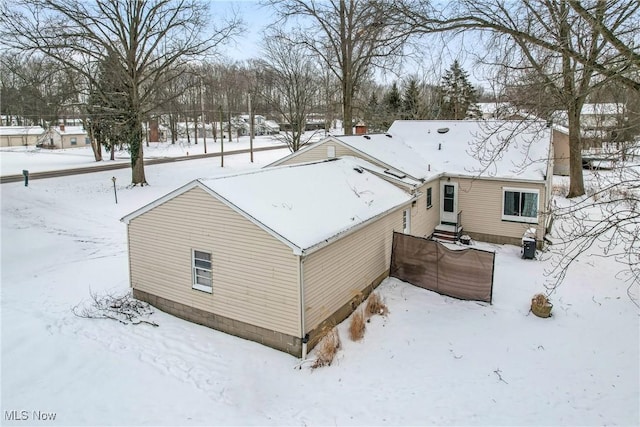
<point x="460" y="273"/>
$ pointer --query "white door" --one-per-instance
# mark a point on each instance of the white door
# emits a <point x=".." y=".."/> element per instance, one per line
<point x="448" y="202"/>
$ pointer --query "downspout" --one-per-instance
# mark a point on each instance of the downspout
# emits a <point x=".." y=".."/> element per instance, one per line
<point x="305" y="336"/>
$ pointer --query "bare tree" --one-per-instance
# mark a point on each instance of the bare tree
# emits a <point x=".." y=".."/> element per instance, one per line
<point x="570" y="53"/>
<point x="351" y="38"/>
<point x="569" y="49"/>
<point x="294" y="85"/>
<point x="146" y="36"/>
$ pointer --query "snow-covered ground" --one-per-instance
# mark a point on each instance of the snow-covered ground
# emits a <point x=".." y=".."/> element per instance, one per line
<point x="13" y="160"/>
<point x="433" y="360"/>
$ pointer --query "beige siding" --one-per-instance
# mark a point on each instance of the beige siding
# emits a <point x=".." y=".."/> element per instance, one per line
<point x="423" y="219"/>
<point x="481" y="204"/>
<point x="255" y="276"/>
<point x="560" y="153"/>
<point x="319" y="152"/>
<point x="17" y="141"/>
<point x="338" y="272"/>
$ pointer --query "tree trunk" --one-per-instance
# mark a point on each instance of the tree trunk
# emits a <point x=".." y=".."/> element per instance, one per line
<point x="136" y="147"/>
<point x="95" y="145"/>
<point x="576" y="184"/>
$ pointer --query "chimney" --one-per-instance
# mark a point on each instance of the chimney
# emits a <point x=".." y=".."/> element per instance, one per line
<point x="361" y="128"/>
<point x="61" y="126"/>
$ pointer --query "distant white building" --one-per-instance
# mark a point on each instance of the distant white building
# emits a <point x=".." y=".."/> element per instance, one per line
<point x="63" y="136"/>
<point x="16" y="136"/>
<point x="599" y="122"/>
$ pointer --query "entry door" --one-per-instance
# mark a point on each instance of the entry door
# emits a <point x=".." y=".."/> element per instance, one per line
<point x="448" y="202"/>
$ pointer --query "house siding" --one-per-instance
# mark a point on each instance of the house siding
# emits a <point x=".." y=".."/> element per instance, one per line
<point x="480" y="201"/>
<point x="318" y="152"/>
<point x="560" y="153"/>
<point x="255" y="276"/>
<point x="423" y="219"/>
<point x="18" y="140"/>
<point x="344" y="270"/>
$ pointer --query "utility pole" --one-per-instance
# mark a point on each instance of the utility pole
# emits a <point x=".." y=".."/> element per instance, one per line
<point x="250" y="129"/>
<point x="230" y="134"/>
<point x="221" y="140"/>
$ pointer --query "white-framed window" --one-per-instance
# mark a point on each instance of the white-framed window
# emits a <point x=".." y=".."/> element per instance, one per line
<point x="429" y="197"/>
<point x="406" y="221"/>
<point x="331" y="151"/>
<point x="520" y="204"/>
<point x="201" y="265"/>
<point x="74" y="141"/>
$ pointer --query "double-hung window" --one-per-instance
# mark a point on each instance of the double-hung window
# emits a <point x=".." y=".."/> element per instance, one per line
<point x="429" y="198"/>
<point x="520" y="205"/>
<point x="201" y="263"/>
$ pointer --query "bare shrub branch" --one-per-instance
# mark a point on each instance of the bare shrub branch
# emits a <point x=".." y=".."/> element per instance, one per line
<point x="122" y="308"/>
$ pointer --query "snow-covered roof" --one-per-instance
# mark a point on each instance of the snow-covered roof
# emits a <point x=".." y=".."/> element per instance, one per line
<point x="605" y="108"/>
<point x="71" y="130"/>
<point x="20" y="130"/>
<point x="423" y="150"/>
<point x="306" y="205"/>
<point x="389" y="149"/>
<point x="488" y="148"/>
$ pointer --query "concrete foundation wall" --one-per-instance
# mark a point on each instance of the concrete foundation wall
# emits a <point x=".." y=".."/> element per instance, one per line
<point x="277" y="340"/>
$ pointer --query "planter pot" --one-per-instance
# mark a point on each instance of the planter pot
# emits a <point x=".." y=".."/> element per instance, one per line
<point x="541" y="310"/>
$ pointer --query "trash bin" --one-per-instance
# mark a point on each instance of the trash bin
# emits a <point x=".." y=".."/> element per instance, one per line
<point x="528" y="248"/>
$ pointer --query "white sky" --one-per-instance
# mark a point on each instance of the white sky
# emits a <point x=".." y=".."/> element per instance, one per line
<point x="439" y="53"/>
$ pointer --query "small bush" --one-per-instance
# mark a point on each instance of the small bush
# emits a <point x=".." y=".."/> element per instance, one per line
<point x="327" y="349"/>
<point x="375" y="305"/>
<point x="357" y="326"/>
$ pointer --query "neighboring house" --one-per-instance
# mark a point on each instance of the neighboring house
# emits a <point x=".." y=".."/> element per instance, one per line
<point x="275" y="255"/>
<point x="63" y="136"/>
<point x="499" y="111"/>
<point x="20" y="136"/>
<point x="261" y="125"/>
<point x="496" y="198"/>
<point x="560" y="139"/>
<point x="599" y="122"/>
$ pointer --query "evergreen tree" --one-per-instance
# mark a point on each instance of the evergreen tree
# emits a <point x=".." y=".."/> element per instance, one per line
<point x="458" y="97"/>
<point x="412" y="105"/>
<point x="392" y="105"/>
<point x="373" y="114"/>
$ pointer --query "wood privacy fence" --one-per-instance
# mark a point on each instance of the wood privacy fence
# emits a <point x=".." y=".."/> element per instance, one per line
<point x="465" y="273"/>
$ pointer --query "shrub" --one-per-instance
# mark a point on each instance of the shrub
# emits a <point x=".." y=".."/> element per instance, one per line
<point x="327" y="349"/>
<point x="375" y="305"/>
<point x="357" y="326"/>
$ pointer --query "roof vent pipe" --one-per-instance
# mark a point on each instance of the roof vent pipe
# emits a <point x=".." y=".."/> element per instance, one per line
<point x="440" y="146"/>
<point x="429" y="167"/>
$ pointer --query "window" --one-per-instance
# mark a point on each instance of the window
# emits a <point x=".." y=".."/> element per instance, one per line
<point x="87" y="141"/>
<point x="202" y="271"/>
<point x="331" y="151"/>
<point x="429" y="198"/>
<point x="74" y="141"/>
<point x="406" y="221"/>
<point x="520" y="205"/>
